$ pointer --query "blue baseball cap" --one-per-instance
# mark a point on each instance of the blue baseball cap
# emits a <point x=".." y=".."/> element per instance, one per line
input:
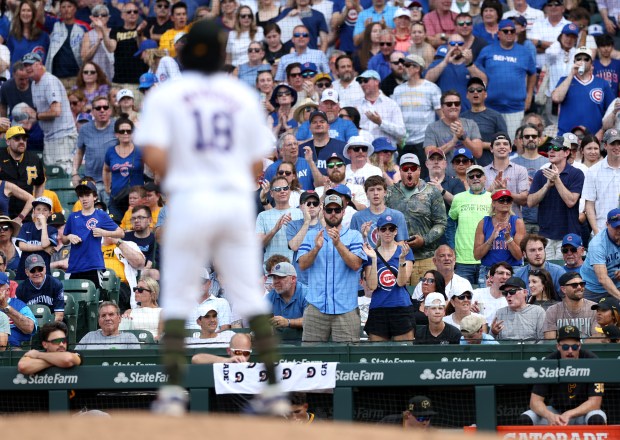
<point x="383" y="144"/>
<point x="309" y="67"/>
<point x="519" y="19"/>
<point x="147" y="80"/>
<point x="506" y="23"/>
<point x="572" y="240"/>
<point x="442" y="51"/>
<point x="463" y="152"/>
<point x="570" y="29"/>
<point x="341" y="190"/>
<point x="613" y="217"/>
<point x="4" y="279"/>
<point x="386" y="219"/>
<point x="146" y="45"/>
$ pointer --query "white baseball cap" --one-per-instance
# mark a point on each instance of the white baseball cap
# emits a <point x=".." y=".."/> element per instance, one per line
<point x="329" y="95"/>
<point x="434" y="299"/>
<point x="402" y="12"/>
<point x="124" y="93"/>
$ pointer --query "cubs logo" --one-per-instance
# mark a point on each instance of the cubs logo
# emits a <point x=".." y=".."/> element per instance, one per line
<point x="373" y="236"/>
<point x="596" y="95"/>
<point x="91" y="223"/>
<point x="386" y="278"/>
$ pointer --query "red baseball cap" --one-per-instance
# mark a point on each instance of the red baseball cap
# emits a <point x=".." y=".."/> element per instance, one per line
<point x="501" y="193"/>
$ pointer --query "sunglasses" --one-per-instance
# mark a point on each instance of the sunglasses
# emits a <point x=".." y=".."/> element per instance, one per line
<point x="452" y="103"/>
<point x="238" y="352"/>
<point x="423" y="419"/>
<point x="359" y="148"/>
<point x="314" y="203"/>
<point x="382" y="44"/>
<point x="464" y="23"/>
<point x="461" y="161"/>
<point x="387" y="228"/>
<point x="5" y="228"/>
<point x="102" y="107"/>
<point x="464" y="296"/>
<point x="89" y="72"/>
<point x="125" y="131"/>
<point x="323" y="85"/>
<point x="131" y="11"/>
<point x="284" y="173"/>
<point x="508" y="31"/>
<point x="427" y="280"/>
<point x="102" y="15"/>
<point x="566" y="347"/>
<point x="333" y="210"/>
<point x="245" y="15"/>
<point x="301" y="35"/>
<point x="335" y="165"/>
<point x="566" y="250"/>
<point x="473" y="176"/>
<point x="584" y="59"/>
<point x="294" y="75"/>
<point x="530" y="136"/>
<point x="58" y="341"/>
<point x="280" y="188"/>
<point x="510" y="292"/>
<point x="409" y="168"/>
<point x="401" y="61"/>
<point x="557" y="148"/>
<point x="456" y="43"/>
<point x="504" y="200"/>
<point x="308" y="74"/>
<point x="253" y="50"/>
<point x="475" y="90"/>
<point x="141" y="289"/>
<point x="37" y="269"/>
<point x="363" y="80"/>
<point x="581" y="284"/>
<point x="74" y="102"/>
<point x="19" y="137"/>
<point x="280" y="94"/>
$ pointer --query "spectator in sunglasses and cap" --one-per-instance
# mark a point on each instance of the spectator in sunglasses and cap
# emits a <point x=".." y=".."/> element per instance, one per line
<point x="519" y="320"/>
<point x="41" y="288"/>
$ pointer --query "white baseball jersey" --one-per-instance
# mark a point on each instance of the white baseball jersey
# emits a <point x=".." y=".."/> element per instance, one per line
<point x="213" y="129"/>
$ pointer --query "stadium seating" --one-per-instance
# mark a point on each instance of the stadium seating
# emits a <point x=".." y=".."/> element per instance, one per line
<point x="144" y="336"/>
<point x="86" y="295"/>
<point x="42" y="313"/>
<point x="71" y="317"/>
<point x="59" y="274"/>
<point x="110" y="286"/>
<point x="54" y="172"/>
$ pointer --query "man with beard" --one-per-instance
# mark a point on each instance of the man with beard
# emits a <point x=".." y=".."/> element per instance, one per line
<point x="338" y="128"/>
<point x="533" y="248"/>
<point x="349" y="90"/>
<point x="424" y="210"/>
<point x="448" y="185"/>
<point x="452" y="71"/>
<point x="287" y="298"/>
<point x="296" y="230"/>
<point x="488" y="120"/>
<point x="452" y="132"/>
<point x="322" y="145"/>
<point x="573" y="310"/>
<point x="397" y="76"/>
<point x="419" y="102"/>
<point x="532" y="161"/>
<point x="333" y="258"/>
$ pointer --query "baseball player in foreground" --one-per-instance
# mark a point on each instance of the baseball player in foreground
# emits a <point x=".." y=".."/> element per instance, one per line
<point x="205" y="135"/>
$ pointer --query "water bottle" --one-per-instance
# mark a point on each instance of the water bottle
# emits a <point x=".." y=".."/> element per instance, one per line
<point x="582" y="70"/>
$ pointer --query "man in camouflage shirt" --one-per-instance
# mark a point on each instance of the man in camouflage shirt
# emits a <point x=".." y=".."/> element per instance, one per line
<point x="424" y="210"/>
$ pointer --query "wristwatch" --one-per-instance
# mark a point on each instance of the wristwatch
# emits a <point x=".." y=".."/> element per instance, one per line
<point x="403" y="264"/>
<point x="119" y="242"/>
<point x="6" y="310"/>
<point x="443" y="36"/>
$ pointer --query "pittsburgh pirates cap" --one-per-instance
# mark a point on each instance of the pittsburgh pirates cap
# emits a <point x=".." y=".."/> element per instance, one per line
<point x="57" y="219"/>
<point x="14" y="131"/>
<point x="420" y="406"/>
<point x="568" y="332"/>
<point x="34" y="260"/>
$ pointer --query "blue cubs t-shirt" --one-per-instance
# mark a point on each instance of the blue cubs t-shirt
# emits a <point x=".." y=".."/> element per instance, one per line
<point x="388" y="293"/>
<point x="87" y="255"/>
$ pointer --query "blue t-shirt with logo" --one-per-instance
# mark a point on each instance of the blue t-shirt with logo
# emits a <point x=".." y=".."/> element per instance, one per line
<point x="361" y="217"/>
<point x="601" y="250"/>
<point x="610" y="73"/>
<point x="388" y="293"/>
<point x="87" y="255"/>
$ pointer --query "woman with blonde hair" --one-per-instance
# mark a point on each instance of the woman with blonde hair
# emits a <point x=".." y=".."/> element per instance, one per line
<point x="161" y="64"/>
<point x="240" y="38"/>
<point x="144" y="312"/>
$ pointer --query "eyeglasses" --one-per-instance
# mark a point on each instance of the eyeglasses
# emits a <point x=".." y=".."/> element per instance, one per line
<point x="584" y="59"/>
<point x="323" y="85"/>
<point x="141" y="289"/>
<point x="138" y="217"/>
<point x="308" y="74"/>
<point x="245" y="15"/>
<point x="238" y="352"/>
<point x="581" y="284"/>
<point x="508" y="31"/>
<point x="452" y="103"/>
<point x="530" y="136"/>
<point x="504" y="200"/>
<point x="284" y="173"/>
<point x="301" y="35"/>
<point x="409" y="65"/>
<point x="463" y="296"/>
<point x="423" y="419"/>
<point x="314" y="203"/>
<point x="335" y="165"/>
<point x="385" y="43"/>
<point x="89" y="72"/>
<point x="280" y="188"/>
<point x="387" y="228"/>
<point x="5" y="228"/>
<point x="333" y="210"/>
<point x="456" y="43"/>
<point x="510" y="292"/>
<point x="464" y="23"/>
<point x="102" y="15"/>
<point x="359" y="148"/>
<point x="37" y="269"/>
<point x="58" y="341"/>
<point x="566" y="250"/>
<point x="254" y="50"/>
<point x="409" y="168"/>
<point x="475" y="90"/>
<point x="294" y="75"/>
<point x="131" y="11"/>
<point x="566" y="347"/>
<point x="461" y="161"/>
<point x="473" y="176"/>
<point x="125" y="131"/>
<point x="286" y="93"/>
<point x="102" y="107"/>
<point x="397" y="62"/>
<point x="427" y="280"/>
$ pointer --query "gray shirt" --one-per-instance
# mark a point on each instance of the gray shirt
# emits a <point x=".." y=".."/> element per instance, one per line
<point x="44" y="93"/>
<point x="5" y="326"/>
<point x="438" y="134"/>
<point x="530" y="215"/>
<point x="524" y="324"/>
<point x="94" y="143"/>
<point x="516" y="180"/>
<point x="96" y="340"/>
<point x="585" y="319"/>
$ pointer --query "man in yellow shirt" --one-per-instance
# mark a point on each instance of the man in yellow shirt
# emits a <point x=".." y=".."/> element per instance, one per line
<point x="179" y="19"/>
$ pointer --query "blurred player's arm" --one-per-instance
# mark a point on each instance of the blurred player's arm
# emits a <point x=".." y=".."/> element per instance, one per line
<point x="156" y="159"/>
